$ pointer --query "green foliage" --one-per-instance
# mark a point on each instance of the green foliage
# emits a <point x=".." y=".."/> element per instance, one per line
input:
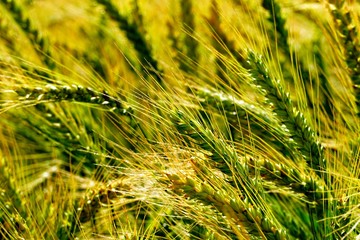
<point x="179" y="120"/>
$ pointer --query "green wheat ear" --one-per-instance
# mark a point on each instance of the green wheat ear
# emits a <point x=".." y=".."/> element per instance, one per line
<point x="190" y="45"/>
<point x="150" y="64"/>
<point x="242" y="115"/>
<point x="13" y="214"/>
<point x="228" y="162"/>
<point x="348" y="34"/>
<point x="74" y="93"/>
<point x="40" y="43"/>
<point x="302" y="134"/>
<point x="282" y="41"/>
<point x="294" y="121"/>
<point x="276" y="16"/>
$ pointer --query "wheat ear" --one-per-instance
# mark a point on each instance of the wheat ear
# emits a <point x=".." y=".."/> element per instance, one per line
<point x="247" y="218"/>
<point x="13" y="214"/>
<point x="75" y="93"/>
<point x="275" y="16"/>
<point x="294" y="120"/>
<point x="282" y="41"/>
<point x="249" y="116"/>
<point x="227" y="161"/>
<point x="349" y="37"/>
<point x="36" y="38"/>
<point x="138" y="40"/>
<point x="190" y="45"/>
